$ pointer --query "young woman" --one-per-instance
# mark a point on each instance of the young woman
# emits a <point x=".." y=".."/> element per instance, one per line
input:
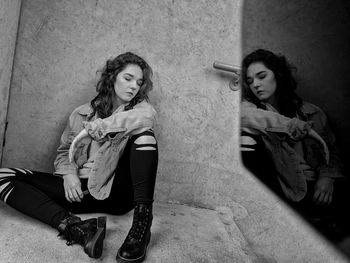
<point x="287" y="140"/>
<point x="106" y="162"/>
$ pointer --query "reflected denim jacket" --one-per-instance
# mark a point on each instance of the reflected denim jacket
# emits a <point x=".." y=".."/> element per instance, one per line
<point x="275" y="131"/>
<point x="113" y="131"/>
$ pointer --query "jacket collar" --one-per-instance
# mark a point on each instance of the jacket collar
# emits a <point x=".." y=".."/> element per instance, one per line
<point x="308" y="108"/>
<point x="85" y="109"/>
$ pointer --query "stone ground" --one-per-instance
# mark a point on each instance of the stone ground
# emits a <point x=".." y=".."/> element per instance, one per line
<point x="180" y="233"/>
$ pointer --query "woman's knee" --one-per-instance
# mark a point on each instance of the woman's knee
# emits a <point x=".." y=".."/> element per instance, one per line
<point x="145" y="141"/>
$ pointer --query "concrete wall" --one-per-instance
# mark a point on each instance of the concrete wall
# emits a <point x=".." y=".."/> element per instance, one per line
<point x="9" y="15"/>
<point x="61" y="44"/>
<point x="314" y="35"/>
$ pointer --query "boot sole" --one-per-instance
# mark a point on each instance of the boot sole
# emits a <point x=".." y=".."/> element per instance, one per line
<point x="120" y="259"/>
<point x="94" y="247"/>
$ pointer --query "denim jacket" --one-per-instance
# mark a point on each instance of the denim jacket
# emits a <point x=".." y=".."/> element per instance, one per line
<point x="113" y="132"/>
<point x="275" y="133"/>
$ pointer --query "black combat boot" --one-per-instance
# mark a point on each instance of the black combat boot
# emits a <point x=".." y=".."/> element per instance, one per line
<point x="89" y="233"/>
<point x="135" y="245"/>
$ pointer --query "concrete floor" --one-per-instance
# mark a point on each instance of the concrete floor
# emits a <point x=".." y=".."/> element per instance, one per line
<point x="179" y="234"/>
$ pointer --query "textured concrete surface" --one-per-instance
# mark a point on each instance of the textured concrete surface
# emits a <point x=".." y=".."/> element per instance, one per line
<point x="9" y="15"/>
<point x="179" y="234"/>
<point x="274" y="232"/>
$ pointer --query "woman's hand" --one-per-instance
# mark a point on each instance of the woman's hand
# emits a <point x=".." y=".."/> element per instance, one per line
<point x="75" y="143"/>
<point x="323" y="193"/>
<point x="298" y="129"/>
<point x="72" y="188"/>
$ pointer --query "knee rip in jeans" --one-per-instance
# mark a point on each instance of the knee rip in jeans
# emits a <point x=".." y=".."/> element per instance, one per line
<point x="146" y="143"/>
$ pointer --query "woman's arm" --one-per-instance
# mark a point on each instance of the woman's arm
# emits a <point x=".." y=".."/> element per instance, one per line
<point x="259" y="121"/>
<point x="63" y="166"/>
<point x="328" y="172"/>
<point x="332" y="169"/>
<point x="83" y="134"/>
<point x="130" y="122"/>
<point x="314" y="134"/>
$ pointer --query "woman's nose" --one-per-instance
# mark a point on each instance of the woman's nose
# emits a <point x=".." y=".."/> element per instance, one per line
<point x="256" y="83"/>
<point x="134" y="85"/>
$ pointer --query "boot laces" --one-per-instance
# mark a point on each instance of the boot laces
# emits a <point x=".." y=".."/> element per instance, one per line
<point x="73" y="234"/>
<point x="140" y="223"/>
<point x="75" y="231"/>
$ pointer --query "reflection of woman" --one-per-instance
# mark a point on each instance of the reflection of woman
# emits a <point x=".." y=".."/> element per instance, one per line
<point x="293" y="132"/>
<point x="106" y="162"/>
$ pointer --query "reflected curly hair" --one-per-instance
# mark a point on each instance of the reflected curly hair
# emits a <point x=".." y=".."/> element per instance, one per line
<point x="102" y="104"/>
<point x="289" y="102"/>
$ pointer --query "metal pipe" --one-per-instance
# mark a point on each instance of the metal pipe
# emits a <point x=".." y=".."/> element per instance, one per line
<point x="227" y="67"/>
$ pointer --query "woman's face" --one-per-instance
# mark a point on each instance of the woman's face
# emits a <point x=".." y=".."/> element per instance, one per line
<point x="262" y="82"/>
<point x="128" y="83"/>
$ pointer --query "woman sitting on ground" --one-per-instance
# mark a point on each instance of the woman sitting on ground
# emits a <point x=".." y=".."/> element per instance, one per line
<point x="106" y="162"/>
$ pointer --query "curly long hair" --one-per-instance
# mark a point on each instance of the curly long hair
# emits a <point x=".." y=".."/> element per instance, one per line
<point x="102" y="104"/>
<point x="289" y="102"/>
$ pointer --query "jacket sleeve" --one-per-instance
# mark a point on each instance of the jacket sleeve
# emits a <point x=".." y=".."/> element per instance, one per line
<point x="133" y="121"/>
<point x="334" y="168"/>
<point x="61" y="163"/>
<point x="259" y="121"/>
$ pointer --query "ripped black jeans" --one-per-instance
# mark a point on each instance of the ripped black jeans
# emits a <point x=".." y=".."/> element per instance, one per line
<point x="42" y="196"/>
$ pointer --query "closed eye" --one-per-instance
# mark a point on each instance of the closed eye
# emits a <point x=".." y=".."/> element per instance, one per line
<point x="249" y="81"/>
<point x="140" y="83"/>
<point x="130" y="77"/>
<point x="261" y="75"/>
